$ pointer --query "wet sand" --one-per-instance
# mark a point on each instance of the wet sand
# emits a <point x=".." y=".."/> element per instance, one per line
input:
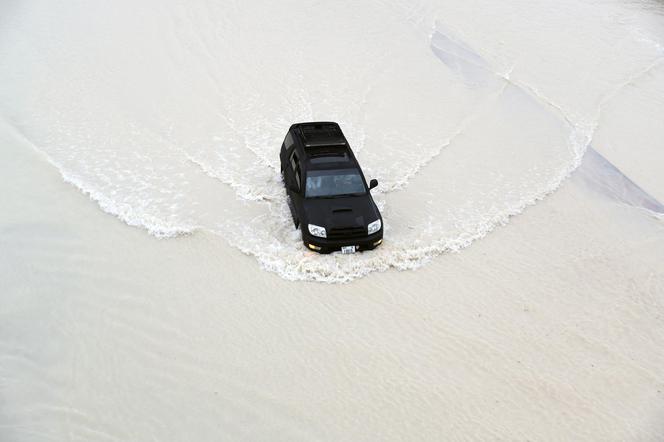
<point x="549" y="328"/>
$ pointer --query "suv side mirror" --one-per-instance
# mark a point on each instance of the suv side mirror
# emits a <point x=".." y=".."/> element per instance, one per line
<point x="373" y="183"/>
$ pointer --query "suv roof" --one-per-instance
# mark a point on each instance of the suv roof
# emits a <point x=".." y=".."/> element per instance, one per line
<point x="321" y="134"/>
<point x="323" y="144"/>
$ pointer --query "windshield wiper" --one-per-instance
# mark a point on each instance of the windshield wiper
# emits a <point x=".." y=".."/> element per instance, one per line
<point x="348" y="194"/>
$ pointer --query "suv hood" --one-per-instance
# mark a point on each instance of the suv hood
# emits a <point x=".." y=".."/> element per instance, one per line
<point x="352" y="211"/>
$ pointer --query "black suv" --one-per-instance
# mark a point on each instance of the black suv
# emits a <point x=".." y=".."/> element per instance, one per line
<point x="327" y="193"/>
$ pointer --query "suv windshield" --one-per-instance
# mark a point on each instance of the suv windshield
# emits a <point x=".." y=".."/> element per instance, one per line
<point x="328" y="183"/>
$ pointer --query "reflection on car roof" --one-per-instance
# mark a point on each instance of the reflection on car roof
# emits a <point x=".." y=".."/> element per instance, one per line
<point x="324" y="134"/>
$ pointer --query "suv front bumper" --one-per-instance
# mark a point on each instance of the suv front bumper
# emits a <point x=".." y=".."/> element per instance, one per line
<point x="324" y="245"/>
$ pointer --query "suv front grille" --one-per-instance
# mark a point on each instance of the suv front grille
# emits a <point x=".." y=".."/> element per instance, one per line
<point x="347" y="232"/>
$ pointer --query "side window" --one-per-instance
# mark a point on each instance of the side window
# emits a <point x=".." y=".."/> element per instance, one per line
<point x="286" y="148"/>
<point x="288" y="142"/>
<point x="295" y="164"/>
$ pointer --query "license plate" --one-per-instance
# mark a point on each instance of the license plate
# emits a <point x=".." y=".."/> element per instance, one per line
<point x="346" y="250"/>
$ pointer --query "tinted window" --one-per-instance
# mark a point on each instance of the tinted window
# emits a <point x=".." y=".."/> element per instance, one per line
<point x="295" y="164"/>
<point x="288" y="142"/>
<point x="325" y="183"/>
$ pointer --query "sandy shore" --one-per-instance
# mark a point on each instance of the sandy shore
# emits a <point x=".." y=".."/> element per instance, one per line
<point x="536" y="310"/>
<point x="551" y="328"/>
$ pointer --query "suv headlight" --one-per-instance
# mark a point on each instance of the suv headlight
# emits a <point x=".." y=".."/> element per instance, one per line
<point x="317" y="231"/>
<point x="374" y="226"/>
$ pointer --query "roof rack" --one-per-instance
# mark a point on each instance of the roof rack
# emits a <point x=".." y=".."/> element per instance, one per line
<point x="322" y="134"/>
